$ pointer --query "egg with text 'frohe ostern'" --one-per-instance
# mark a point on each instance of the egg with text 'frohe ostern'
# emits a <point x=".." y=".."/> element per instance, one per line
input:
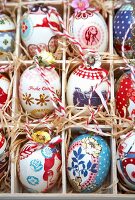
<point x="34" y="93"/>
<point x="39" y="165"/>
<point x="88" y="162"/>
<point x="125" y="96"/>
<point x="123" y="19"/>
<point x="36" y="33"/>
<point x="7" y="34"/>
<point x="126" y="160"/>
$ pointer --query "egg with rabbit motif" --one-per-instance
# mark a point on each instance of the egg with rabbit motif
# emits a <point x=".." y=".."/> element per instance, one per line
<point x="124" y="23"/>
<point x="88" y="162"/>
<point x="39" y="166"/>
<point x="126" y="160"/>
<point x="36" y="33"/>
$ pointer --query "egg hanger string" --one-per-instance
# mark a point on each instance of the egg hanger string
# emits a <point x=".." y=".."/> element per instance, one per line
<point x="59" y="108"/>
<point x="87" y="58"/>
<point x="129" y="66"/>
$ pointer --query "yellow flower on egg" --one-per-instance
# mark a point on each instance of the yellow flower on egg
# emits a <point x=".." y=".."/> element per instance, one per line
<point x="41" y="137"/>
<point x="45" y="57"/>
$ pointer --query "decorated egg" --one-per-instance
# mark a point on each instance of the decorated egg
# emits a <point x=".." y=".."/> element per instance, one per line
<point x="87" y="85"/>
<point x="7" y="33"/>
<point x="126" y="160"/>
<point x="4" y="87"/>
<point x="88" y="162"/>
<point x="123" y="20"/>
<point x="39" y="166"/>
<point x="2" y="144"/>
<point x="125" y="96"/>
<point x="36" y="86"/>
<point x="88" y="26"/>
<point x="4" y="155"/>
<point x="36" y="33"/>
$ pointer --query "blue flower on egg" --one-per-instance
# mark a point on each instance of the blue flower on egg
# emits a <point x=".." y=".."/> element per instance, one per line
<point x="36" y="165"/>
<point x="32" y="180"/>
<point x="47" y="152"/>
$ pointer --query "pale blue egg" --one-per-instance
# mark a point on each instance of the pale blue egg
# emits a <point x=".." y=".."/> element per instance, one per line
<point x="88" y="162"/>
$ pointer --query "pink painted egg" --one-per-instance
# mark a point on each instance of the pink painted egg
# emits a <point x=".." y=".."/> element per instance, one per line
<point x="39" y="166"/>
<point x="4" y="87"/>
<point x="33" y="91"/>
<point x="36" y="33"/>
<point x="88" y="85"/>
<point x="126" y="160"/>
<point x="90" y="29"/>
<point x="125" y="96"/>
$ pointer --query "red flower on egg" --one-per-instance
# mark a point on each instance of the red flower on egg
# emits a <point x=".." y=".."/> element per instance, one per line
<point x="24" y="27"/>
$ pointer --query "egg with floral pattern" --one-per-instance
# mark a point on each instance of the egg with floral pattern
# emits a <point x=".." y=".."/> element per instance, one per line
<point x="34" y="94"/>
<point x="39" y="166"/>
<point x="125" y="96"/>
<point x="88" y="162"/>
<point x="126" y="160"/>
<point x="123" y="19"/>
<point x="7" y="33"/>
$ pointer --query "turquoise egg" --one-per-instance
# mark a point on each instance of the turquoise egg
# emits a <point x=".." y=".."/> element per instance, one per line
<point x="88" y="162"/>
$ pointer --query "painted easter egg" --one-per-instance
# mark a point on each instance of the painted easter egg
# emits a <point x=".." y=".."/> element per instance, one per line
<point x="36" y="33"/>
<point x="4" y="155"/>
<point x="4" y="87"/>
<point x="123" y="19"/>
<point x="7" y="33"/>
<point x="125" y="96"/>
<point x="126" y="160"/>
<point x="88" y="162"/>
<point x="39" y="168"/>
<point x="90" y="29"/>
<point x="34" y="93"/>
<point x="88" y="85"/>
<point x="2" y="144"/>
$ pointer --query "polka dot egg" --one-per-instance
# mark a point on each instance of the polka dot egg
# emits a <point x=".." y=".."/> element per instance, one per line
<point x="126" y="160"/>
<point x="122" y="21"/>
<point x="88" y="162"/>
<point x="125" y="96"/>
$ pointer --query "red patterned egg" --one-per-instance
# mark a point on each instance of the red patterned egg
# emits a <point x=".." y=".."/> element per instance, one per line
<point x="125" y="96"/>
<point x="39" y="166"/>
<point x="87" y="86"/>
<point x="36" y="33"/>
<point x="4" y="86"/>
<point x="126" y="160"/>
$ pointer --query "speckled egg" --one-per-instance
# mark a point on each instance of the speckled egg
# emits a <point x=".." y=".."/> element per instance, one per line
<point x="125" y="96"/>
<point x="4" y="87"/>
<point x="36" y="33"/>
<point x="90" y="29"/>
<point x="7" y="33"/>
<point x="88" y="162"/>
<point x="126" y="160"/>
<point x="124" y="17"/>
<point x="39" y="166"/>
<point x="33" y="91"/>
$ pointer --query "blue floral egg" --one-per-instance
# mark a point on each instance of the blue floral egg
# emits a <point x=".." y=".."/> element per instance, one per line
<point x="124" y="17"/>
<point x="88" y="162"/>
